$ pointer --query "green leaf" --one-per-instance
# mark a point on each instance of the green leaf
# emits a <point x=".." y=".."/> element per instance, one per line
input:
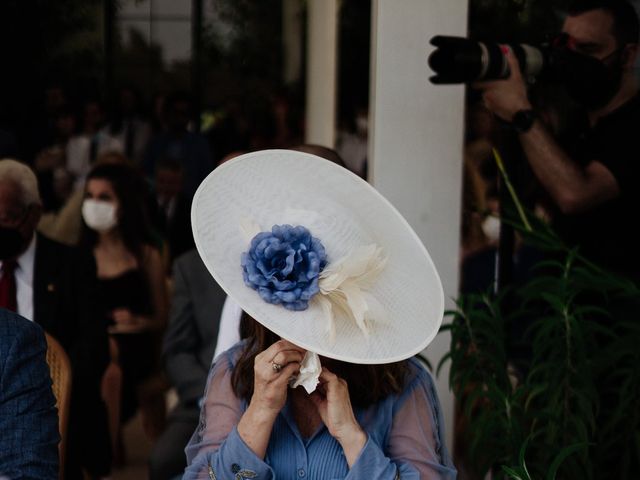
<point x="442" y="361"/>
<point x="447" y="327"/>
<point x="523" y="463"/>
<point x="564" y="453"/>
<point x="515" y="474"/>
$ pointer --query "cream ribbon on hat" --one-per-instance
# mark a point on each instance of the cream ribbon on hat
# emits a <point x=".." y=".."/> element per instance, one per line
<point x="344" y="286"/>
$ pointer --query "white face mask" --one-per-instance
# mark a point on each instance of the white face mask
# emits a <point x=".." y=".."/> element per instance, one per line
<point x="99" y="215"/>
<point x="491" y="228"/>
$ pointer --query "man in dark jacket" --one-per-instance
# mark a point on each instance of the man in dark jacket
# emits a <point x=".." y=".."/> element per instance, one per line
<point x="54" y="286"/>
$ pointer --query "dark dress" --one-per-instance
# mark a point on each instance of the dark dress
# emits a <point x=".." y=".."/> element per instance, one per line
<point x="137" y="351"/>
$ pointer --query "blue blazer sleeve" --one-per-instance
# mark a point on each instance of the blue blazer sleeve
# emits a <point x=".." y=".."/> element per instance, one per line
<point x="28" y="418"/>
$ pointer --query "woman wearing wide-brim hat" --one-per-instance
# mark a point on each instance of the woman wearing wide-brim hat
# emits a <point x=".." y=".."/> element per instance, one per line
<point x="343" y="294"/>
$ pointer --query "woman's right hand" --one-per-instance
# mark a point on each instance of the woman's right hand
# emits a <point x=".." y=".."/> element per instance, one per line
<point x="269" y="393"/>
<point x="270" y="381"/>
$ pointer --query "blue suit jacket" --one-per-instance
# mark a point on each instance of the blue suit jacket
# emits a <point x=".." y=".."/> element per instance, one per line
<point x="28" y="418"/>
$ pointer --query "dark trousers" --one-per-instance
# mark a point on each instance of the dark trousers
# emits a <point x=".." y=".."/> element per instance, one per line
<point x="168" y="458"/>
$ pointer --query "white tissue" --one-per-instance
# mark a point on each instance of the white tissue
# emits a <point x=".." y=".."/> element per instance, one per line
<point x="310" y="369"/>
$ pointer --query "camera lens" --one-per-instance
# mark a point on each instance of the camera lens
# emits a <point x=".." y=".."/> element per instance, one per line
<point x="460" y="60"/>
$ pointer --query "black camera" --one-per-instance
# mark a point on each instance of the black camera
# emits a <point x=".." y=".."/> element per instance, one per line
<point x="461" y="60"/>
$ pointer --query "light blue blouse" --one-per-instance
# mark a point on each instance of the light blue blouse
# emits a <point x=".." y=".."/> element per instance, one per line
<point x="405" y="438"/>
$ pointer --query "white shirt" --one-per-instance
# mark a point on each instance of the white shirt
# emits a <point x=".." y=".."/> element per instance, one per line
<point x="24" y="280"/>
<point x="229" y="330"/>
<point x="79" y="149"/>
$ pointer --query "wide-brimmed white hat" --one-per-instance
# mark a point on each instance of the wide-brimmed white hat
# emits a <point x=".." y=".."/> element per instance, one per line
<point x="380" y="297"/>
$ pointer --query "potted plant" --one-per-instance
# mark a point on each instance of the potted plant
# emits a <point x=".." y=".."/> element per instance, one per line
<point x="570" y="407"/>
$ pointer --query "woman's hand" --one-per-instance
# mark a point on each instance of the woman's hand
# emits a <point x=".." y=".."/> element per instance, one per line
<point x="272" y="370"/>
<point x="127" y="322"/>
<point x="123" y="316"/>
<point x="334" y="407"/>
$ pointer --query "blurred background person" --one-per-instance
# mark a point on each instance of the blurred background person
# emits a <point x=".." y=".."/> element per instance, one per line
<point x="178" y="142"/>
<point x="50" y="163"/>
<point x="189" y="344"/>
<point x="127" y="125"/>
<point x="172" y="212"/>
<point x="84" y="148"/>
<point x="65" y="224"/>
<point x="131" y="282"/>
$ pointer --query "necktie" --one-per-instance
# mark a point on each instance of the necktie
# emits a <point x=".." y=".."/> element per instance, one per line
<point x="8" y="297"/>
<point x="93" y="149"/>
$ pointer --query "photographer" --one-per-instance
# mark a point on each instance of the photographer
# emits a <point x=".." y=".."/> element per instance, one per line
<point x="591" y="179"/>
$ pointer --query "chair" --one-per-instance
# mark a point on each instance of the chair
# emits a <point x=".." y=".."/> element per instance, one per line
<point x="60" y="371"/>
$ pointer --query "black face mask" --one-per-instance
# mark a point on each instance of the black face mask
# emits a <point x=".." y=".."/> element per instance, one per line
<point x="11" y="243"/>
<point x="590" y="82"/>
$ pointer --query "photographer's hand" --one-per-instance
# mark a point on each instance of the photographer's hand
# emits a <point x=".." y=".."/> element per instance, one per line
<point x="506" y="97"/>
<point x="573" y="188"/>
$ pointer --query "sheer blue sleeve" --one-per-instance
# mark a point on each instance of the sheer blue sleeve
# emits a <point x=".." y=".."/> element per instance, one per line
<point x="415" y="447"/>
<point x="216" y="451"/>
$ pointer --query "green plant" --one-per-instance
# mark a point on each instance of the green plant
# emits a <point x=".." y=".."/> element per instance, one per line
<point x="572" y="400"/>
<point x="521" y="472"/>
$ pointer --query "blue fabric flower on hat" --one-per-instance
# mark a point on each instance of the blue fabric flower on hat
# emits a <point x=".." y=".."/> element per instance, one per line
<point x="283" y="266"/>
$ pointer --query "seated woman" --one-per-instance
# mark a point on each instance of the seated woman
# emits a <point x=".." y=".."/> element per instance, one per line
<point x="343" y="294"/>
<point x="130" y="277"/>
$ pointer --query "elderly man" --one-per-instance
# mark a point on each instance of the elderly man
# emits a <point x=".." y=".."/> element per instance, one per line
<point x="591" y="178"/>
<point x="53" y="285"/>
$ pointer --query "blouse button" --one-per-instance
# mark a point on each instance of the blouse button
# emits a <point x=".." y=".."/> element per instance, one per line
<point x="235" y="468"/>
<point x="301" y="472"/>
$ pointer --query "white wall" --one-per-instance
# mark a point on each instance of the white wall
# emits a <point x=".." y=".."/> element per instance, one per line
<point x="292" y="40"/>
<point x="416" y="135"/>
<point x="322" y="18"/>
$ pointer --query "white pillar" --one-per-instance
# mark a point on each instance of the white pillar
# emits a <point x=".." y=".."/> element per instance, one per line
<point x="292" y="40"/>
<point x="416" y="139"/>
<point x="321" y="72"/>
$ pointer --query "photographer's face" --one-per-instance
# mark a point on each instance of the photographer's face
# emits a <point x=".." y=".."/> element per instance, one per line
<point x="591" y="33"/>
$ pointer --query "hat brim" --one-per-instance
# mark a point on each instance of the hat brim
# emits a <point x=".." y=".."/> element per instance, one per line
<point x="275" y="187"/>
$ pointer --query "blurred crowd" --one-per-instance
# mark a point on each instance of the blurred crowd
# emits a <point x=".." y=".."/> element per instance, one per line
<point x="97" y="249"/>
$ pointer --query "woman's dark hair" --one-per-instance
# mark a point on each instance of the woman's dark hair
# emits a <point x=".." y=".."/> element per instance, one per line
<point x="133" y="219"/>
<point x="368" y="384"/>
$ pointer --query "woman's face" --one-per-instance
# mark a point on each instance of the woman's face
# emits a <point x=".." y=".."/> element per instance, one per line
<point x="101" y="190"/>
<point x="101" y="208"/>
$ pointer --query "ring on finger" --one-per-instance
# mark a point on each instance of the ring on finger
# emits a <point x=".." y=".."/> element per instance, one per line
<point x="276" y="367"/>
